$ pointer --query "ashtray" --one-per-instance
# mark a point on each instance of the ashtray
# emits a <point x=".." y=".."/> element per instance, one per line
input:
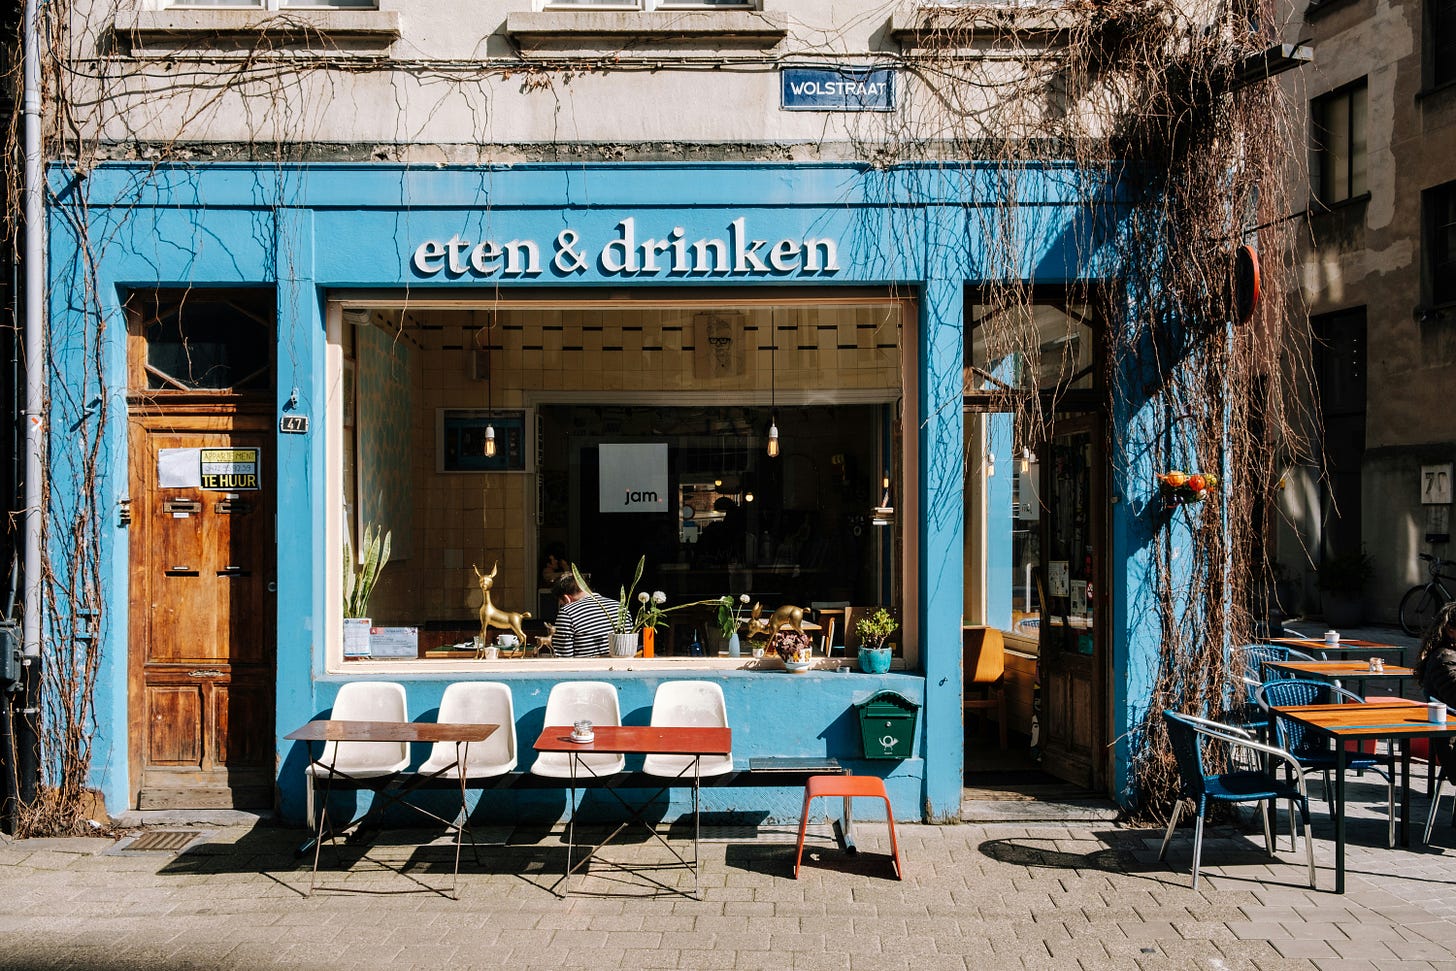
<point x="582" y="738"/>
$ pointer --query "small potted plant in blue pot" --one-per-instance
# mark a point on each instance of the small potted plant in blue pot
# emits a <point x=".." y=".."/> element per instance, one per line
<point x="874" y="631"/>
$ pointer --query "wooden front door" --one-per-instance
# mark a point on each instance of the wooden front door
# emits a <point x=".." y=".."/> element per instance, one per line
<point x="1073" y="644"/>
<point x="202" y="610"/>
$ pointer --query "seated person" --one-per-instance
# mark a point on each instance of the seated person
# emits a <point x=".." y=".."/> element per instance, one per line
<point x="1435" y="666"/>
<point x="583" y="621"/>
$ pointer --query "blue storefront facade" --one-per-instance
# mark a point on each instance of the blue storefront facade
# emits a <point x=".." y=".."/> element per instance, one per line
<point x="323" y="240"/>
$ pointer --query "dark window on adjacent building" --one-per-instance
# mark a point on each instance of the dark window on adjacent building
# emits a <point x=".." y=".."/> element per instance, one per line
<point x="1438" y="208"/>
<point x="1440" y="42"/>
<point x="1339" y="360"/>
<point x="1337" y="122"/>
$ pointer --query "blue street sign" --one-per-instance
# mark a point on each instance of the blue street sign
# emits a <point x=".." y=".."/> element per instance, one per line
<point x="838" y="89"/>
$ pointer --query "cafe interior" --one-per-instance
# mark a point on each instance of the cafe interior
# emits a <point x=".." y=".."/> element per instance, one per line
<point x="759" y="440"/>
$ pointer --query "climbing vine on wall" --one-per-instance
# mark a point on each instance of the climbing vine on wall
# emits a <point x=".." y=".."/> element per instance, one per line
<point x="1136" y="109"/>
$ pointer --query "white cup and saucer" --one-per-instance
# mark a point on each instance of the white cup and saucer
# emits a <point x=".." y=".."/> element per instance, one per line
<point x="582" y="731"/>
<point x="1436" y="711"/>
<point x="1332" y="638"/>
<point x="507" y="642"/>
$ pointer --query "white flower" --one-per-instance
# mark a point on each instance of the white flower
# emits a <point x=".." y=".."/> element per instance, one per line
<point x="642" y="597"/>
<point x="743" y="598"/>
<point x="658" y="597"/>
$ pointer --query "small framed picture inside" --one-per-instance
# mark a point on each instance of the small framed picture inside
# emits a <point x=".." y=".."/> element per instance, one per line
<point x="460" y="437"/>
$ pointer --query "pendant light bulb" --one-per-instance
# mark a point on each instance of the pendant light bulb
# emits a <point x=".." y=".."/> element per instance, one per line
<point x="773" y="437"/>
<point x="1025" y="461"/>
<point x="490" y="441"/>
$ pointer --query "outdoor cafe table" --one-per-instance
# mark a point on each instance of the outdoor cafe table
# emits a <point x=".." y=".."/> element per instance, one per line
<point x="1357" y="722"/>
<point x="1345" y="648"/>
<point x="1338" y="671"/>
<point x="331" y="730"/>
<point x="695" y="742"/>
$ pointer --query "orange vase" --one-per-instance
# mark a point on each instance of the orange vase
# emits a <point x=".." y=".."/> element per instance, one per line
<point x="649" y="641"/>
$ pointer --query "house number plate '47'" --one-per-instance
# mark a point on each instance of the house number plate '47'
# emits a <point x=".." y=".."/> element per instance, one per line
<point x="293" y="424"/>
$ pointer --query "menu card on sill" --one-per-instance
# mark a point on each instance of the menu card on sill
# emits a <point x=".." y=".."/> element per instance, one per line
<point x="394" y="641"/>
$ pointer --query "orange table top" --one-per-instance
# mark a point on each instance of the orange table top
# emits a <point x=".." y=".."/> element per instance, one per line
<point x="1341" y="669"/>
<point x="1319" y="642"/>
<point x="1370" y="719"/>
<point x="640" y="740"/>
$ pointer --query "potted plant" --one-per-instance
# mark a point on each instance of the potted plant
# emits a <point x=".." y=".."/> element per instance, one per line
<point x="873" y="631"/>
<point x="359" y="580"/>
<point x="628" y="623"/>
<point x="1343" y="577"/>
<point x="730" y="615"/>
<point x="794" y="648"/>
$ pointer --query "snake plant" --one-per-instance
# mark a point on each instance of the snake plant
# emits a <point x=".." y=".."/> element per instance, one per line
<point x="359" y="579"/>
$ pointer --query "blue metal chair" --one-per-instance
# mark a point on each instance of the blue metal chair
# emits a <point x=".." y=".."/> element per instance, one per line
<point x="1315" y="752"/>
<point x="1187" y="735"/>
<point x="1250" y="660"/>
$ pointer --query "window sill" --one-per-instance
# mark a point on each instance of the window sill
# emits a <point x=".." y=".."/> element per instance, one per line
<point x="1436" y="90"/>
<point x="1318" y="9"/>
<point x="1319" y="208"/>
<point x="743" y="27"/>
<point x="912" y="30"/>
<point x="203" y="28"/>
<point x="557" y="666"/>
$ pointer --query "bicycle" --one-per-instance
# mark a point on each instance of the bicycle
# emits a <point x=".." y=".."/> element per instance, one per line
<point x="1419" y="605"/>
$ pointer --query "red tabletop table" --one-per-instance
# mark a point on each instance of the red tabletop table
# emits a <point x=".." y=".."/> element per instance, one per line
<point x="635" y="740"/>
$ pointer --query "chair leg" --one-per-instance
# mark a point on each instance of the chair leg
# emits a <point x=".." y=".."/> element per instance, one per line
<point x="1390" y="800"/>
<point x="1435" y="807"/>
<point x="1172" y="822"/>
<point x="803" y="825"/>
<point x="1309" y="851"/>
<point x="1268" y="832"/>
<point x="1197" y="847"/>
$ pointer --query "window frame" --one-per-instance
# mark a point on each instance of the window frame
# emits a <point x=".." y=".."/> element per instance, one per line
<point x="1439" y="21"/>
<point x="902" y="545"/>
<point x="636" y="6"/>
<point x="273" y="5"/>
<point x="1324" y="155"/>
<point x="1438" y="261"/>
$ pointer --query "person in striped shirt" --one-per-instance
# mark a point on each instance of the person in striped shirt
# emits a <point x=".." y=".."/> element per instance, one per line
<point x="583" y="621"/>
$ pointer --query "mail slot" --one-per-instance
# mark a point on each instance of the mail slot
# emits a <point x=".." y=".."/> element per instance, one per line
<point x="232" y="507"/>
<point x="182" y="507"/>
<point x="887" y="725"/>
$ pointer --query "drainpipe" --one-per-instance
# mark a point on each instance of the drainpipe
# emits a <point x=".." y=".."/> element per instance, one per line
<point x="35" y="338"/>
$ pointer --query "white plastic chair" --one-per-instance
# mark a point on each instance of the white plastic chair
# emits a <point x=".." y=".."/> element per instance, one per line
<point x="374" y="701"/>
<point x="475" y="703"/>
<point x="568" y="703"/>
<point x="688" y="704"/>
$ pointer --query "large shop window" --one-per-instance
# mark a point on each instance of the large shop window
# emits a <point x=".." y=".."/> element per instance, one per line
<point x="1056" y="353"/>
<point x="622" y="430"/>
<point x="1438" y="207"/>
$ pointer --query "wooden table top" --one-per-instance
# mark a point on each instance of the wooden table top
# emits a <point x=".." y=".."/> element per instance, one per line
<point x="331" y="730"/>
<point x="640" y="740"/>
<point x="1370" y="719"/>
<point x="1341" y="669"/>
<point x="1318" y="643"/>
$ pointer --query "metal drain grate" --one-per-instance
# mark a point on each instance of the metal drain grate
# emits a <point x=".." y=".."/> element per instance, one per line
<point x="166" y="840"/>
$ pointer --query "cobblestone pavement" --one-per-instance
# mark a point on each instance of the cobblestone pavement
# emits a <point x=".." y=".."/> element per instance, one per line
<point x="1003" y="895"/>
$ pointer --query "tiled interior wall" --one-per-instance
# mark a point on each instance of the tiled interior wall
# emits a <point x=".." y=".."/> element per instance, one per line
<point x="481" y="518"/>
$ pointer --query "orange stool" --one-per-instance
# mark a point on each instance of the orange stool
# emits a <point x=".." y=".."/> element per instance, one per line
<point x="847" y="786"/>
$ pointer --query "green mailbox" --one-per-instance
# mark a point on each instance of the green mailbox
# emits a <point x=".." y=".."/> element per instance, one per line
<point x="887" y="725"/>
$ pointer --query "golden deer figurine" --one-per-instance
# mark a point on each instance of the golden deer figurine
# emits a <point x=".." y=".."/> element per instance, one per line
<point x="786" y="615"/>
<point x="490" y="615"/>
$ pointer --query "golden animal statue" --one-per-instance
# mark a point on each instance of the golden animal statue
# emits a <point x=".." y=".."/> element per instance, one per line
<point x="785" y="616"/>
<point x="492" y="616"/>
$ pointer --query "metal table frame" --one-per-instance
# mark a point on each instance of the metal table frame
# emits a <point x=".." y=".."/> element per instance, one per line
<point x="329" y="730"/>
